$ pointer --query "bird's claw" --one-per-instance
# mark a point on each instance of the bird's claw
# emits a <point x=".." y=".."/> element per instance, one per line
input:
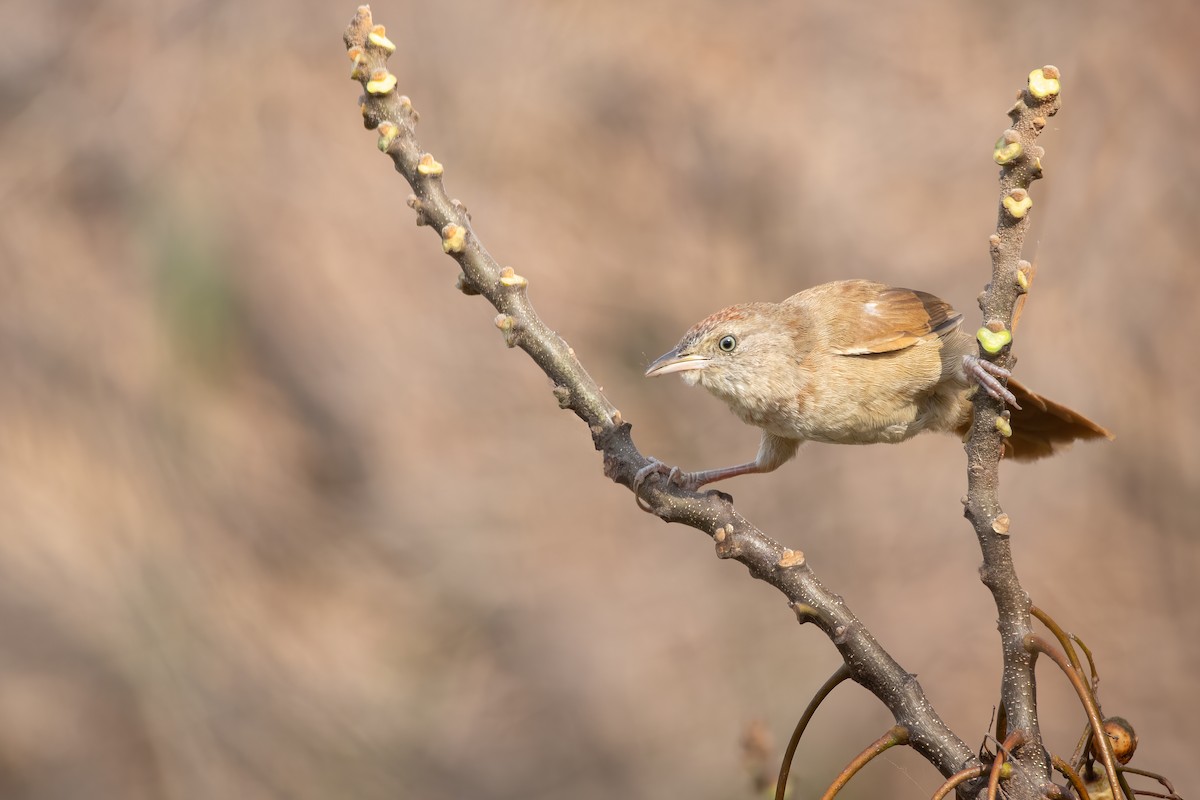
<point x="684" y="480"/>
<point x="988" y="375"/>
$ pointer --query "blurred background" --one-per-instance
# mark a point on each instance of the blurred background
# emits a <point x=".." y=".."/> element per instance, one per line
<point x="283" y="518"/>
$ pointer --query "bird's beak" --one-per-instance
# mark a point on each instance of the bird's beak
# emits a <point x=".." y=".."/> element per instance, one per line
<point x="673" y="362"/>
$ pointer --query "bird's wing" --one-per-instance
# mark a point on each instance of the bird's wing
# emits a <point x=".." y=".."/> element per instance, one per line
<point x="874" y="318"/>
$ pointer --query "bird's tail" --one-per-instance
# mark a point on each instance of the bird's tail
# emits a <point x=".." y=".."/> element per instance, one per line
<point x="1043" y="427"/>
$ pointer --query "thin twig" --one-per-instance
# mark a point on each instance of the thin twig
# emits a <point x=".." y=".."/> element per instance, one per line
<point x="1011" y="743"/>
<point x="1063" y="637"/>
<point x="958" y="778"/>
<point x="1072" y="776"/>
<point x="1166" y="784"/>
<point x="392" y="116"/>
<point x="839" y="675"/>
<point x="1087" y="652"/>
<point x="898" y="734"/>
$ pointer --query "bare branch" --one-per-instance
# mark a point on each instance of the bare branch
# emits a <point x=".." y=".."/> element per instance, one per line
<point x="393" y="117"/>
<point x="1020" y="160"/>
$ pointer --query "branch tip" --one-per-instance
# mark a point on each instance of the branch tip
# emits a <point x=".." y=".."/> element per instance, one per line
<point x="1044" y="82"/>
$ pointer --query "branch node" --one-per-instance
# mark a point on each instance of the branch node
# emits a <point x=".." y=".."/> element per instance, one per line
<point x="356" y="60"/>
<point x="1003" y="425"/>
<point x="416" y="204"/>
<point x="790" y="558"/>
<point x="1017" y="203"/>
<point x="464" y="285"/>
<point x="1052" y="791"/>
<point x="726" y="545"/>
<point x="406" y="107"/>
<point x="388" y="131"/>
<point x="992" y="340"/>
<point x="1008" y="148"/>
<point x="378" y="38"/>
<point x="454" y="238"/>
<point x="1024" y="275"/>
<point x="381" y="83"/>
<point x="509" y="327"/>
<point x="804" y="612"/>
<point x="429" y="166"/>
<point x="511" y="279"/>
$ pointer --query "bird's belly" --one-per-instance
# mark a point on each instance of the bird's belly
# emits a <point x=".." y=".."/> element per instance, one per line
<point x="872" y="418"/>
<point x="865" y="426"/>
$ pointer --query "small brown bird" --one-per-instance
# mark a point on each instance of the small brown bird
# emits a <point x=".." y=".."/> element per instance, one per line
<point x="853" y="362"/>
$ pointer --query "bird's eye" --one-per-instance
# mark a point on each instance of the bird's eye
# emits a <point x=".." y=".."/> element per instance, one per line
<point x="727" y="344"/>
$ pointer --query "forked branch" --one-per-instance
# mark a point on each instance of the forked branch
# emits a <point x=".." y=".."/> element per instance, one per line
<point x="392" y="116"/>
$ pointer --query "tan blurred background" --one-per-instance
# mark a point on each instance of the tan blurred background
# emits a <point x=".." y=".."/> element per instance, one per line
<point x="282" y="517"/>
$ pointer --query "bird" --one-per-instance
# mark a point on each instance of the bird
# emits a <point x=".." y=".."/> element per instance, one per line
<point x="853" y="362"/>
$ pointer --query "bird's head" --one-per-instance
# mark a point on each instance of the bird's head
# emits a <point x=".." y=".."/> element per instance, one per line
<point x="734" y="353"/>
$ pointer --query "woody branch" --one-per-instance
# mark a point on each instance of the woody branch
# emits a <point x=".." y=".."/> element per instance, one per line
<point x="1020" y="160"/>
<point x="394" y="119"/>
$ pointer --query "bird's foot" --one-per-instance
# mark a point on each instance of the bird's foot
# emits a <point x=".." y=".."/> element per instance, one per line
<point x="988" y="375"/>
<point x="685" y="480"/>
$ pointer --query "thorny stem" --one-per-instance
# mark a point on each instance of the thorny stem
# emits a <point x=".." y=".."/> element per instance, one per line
<point x="393" y="117"/>
<point x="839" y="675"/>
<point x="1020" y="159"/>
<point x="898" y="734"/>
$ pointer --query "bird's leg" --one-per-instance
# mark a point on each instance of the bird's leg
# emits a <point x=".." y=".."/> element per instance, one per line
<point x="693" y="480"/>
<point x="988" y="375"/>
<point x="773" y="452"/>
